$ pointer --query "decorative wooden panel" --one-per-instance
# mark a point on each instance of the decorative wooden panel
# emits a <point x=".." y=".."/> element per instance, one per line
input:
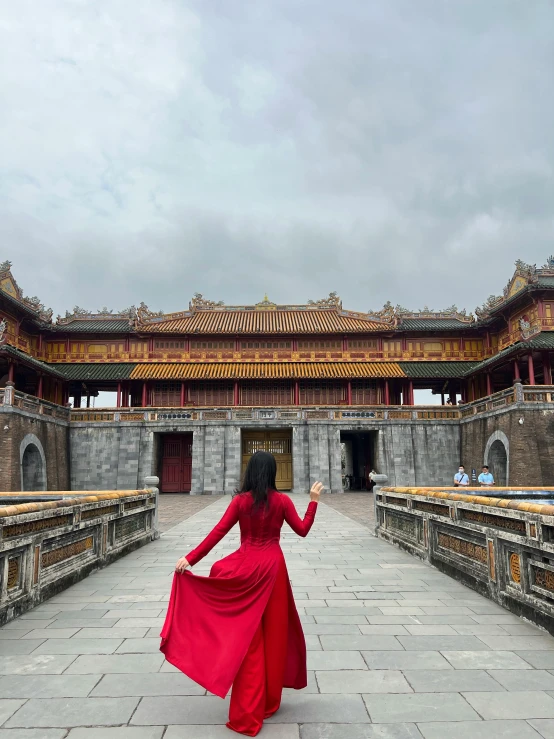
<point x="211" y="393"/>
<point x="55" y="556"/>
<point x="322" y="392"/>
<point x="269" y="393"/>
<point x="278" y="443"/>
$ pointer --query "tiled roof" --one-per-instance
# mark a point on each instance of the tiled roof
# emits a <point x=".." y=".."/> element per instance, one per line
<point x="265" y="322"/>
<point x="107" y="326"/>
<point x="433" y="324"/>
<point x="96" y="372"/>
<point x="544" y="340"/>
<point x="436" y="369"/>
<point x="267" y="370"/>
<point x="30" y="361"/>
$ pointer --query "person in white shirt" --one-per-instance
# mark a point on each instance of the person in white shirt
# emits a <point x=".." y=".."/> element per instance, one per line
<point x="485" y="478"/>
<point x="461" y="478"/>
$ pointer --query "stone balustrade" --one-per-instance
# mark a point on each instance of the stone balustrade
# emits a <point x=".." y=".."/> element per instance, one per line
<point x="49" y="541"/>
<point x="503" y="546"/>
<point x="286" y="413"/>
<point x="11" y="398"/>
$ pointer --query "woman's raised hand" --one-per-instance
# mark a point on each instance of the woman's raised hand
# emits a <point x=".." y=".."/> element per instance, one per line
<point x="315" y="492"/>
<point x="182" y="565"/>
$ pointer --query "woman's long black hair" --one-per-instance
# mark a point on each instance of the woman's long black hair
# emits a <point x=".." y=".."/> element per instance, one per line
<point x="259" y="477"/>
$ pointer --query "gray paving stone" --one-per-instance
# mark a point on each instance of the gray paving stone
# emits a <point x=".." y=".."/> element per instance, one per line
<point x="305" y="709"/>
<point x="140" y="646"/>
<point x="331" y="629"/>
<point x="32" y="733"/>
<point x="14" y="633"/>
<point x="512" y="705"/>
<point x="524" y="679"/>
<point x="330" y="660"/>
<point x="540" y="660"/>
<point x="116" y="663"/>
<point x="349" y="619"/>
<point x="406" y="661"/>
<point x="82" y="622"/>
<point x="114" y="633"/>
<point x="386" y="629"/>
<point x="78" y="646"/>
<point x="443" y="643"/>
<point x="360" y="642"/>
<point x="414" y="707"/>
<point x="8" y="708"/>
<point x="483" y="730"/>
<point x="278" y="731"/>
<point x="47" y="634"/>
<point x="518" y="643"/>
<point x="47" y="686"/>
<point x="359" y="731"/>
<point x="18" y="646"/>
<point x="486" y="660"/>
<point x="180" y="710"/>
<point x="453" y="681"/>
<point x="362" y="681"/>
<point x="430" y="630"/>
<point x="118" y="732"/>
<point x="545" y="727"/>
<point x="69" y="712"/>
<point x="478" y="629"/>
<point x="45" y="664"/>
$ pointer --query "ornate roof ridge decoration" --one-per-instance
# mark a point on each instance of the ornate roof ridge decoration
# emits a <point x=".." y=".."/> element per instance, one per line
<point x="524" y="276"/>
<point x="9" y="285"/>
<point x="333" y="301"/>
<point x="82" y="314"/>
<point x="198" y="302"/>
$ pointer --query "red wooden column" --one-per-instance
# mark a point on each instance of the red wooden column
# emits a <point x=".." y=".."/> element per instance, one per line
<point x="118" y="402"/>
<point x="411" y="393"/>
<point x="349" y="392"/>
<point x="387" y="393"/>
<point x="517" y="376"/>
<point x="547" y="368"/>
<point x="489" y="384"/>
<point x="144" y="394"/>
<point x="236" y="393"/>
<point x="296" y="393"/>
<point x="182" y="399"/>
<point x="531" y="369"/>
<point x="11" y="371"/>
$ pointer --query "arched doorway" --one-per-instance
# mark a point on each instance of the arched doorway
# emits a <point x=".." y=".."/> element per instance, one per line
<point x="498" y="463"/>
<point x="33" y="465"/>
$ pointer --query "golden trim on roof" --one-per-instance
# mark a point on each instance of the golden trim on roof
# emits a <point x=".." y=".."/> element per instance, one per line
<point x="266" y="370"/>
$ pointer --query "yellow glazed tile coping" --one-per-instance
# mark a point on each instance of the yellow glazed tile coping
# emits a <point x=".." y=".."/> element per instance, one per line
<point x="476" y="499"/>
<point x="75" y="499"/>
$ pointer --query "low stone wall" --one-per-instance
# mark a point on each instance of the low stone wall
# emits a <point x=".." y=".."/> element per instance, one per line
<point x="501" y="547"/>
<point x="47" y="546"/>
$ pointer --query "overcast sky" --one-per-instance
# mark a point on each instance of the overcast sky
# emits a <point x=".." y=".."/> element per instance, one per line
<point x="387" y="149"/>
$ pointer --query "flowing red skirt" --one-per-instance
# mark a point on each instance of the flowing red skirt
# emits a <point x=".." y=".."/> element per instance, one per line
<point x="211" y="621"/>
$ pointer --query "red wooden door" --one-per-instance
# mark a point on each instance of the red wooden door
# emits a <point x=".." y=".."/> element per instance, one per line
<point x="177" y="463"/>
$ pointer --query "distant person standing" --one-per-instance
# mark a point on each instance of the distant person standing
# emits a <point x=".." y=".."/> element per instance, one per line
<point x="461" y="478"/>
<point x="485" y="478"/>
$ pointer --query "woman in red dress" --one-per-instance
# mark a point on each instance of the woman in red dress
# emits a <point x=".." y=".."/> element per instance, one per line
<point x="240" y="626"/>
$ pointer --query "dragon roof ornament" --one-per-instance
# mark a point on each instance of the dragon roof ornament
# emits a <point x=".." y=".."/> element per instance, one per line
<point x="198" y="302"/>
<point x="333" y="301"/>
<point x="9" y="286"/>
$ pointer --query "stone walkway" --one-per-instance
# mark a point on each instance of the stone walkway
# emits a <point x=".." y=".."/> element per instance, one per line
<point x="397" y="650"/>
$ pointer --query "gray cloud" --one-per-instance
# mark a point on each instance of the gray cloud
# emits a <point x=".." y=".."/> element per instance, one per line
<point x="392" y="150"/>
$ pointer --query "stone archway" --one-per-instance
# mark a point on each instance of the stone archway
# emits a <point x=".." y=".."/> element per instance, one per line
<point x="33" y="464"/>
<point x="497" y="456"/>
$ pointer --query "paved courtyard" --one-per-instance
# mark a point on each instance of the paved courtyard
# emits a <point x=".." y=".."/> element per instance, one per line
<point x="397" y="650"/>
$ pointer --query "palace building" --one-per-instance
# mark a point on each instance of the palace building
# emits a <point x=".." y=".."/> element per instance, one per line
<point x="331" y="392"/>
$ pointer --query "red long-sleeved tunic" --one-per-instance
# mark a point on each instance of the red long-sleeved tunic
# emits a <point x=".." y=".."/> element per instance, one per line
<point x="211" y="620"/>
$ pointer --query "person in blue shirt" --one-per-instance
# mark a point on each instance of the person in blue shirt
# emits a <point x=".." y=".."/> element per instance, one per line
<point x="461" y="477"/>
<point x="485" y="478"/>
